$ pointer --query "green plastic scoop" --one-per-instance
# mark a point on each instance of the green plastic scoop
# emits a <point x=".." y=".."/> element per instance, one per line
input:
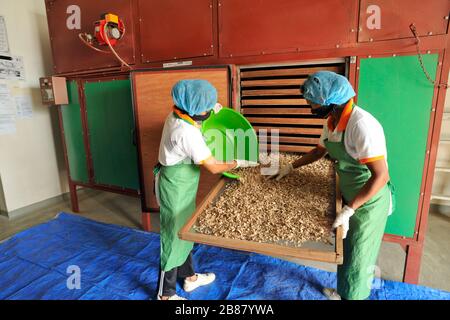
<point x="230" y="136"/>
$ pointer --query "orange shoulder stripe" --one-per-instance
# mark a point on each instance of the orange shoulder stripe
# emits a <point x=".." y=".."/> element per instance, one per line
<point x="372" y="159"/>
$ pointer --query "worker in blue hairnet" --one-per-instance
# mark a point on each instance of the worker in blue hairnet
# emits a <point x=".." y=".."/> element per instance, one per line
<point x="182" y="150"/>
<point x="355" y="140"/>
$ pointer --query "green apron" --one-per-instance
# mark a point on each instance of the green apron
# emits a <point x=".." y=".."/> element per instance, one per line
<point x="178" y="186"/>
<point x="366" y="227"/>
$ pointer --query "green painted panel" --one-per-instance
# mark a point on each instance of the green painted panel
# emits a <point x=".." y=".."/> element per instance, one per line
<point x="73" y="134"/>
<point x="397" y="93"/>
<point x="111" y="131"/>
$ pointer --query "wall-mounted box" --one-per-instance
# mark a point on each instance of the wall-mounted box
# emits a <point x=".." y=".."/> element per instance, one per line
<point x="54" y="91"/>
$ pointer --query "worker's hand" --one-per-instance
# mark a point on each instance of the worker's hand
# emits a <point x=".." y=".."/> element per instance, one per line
<point x="283" y="172"/>
<point x="246" y="164"/>
<point x="343" y="219"/>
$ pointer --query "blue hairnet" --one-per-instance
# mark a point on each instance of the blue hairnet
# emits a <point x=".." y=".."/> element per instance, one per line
<point x="194" y="96"/>
<point x="326" y="87"/>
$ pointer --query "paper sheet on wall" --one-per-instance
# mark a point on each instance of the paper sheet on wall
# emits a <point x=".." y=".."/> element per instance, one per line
<point x="7" y="111"/>
<point x="4" y="88"/>
<point x="4" y="44"/>
<point x="24" y="107"/>
<point x="7" y="125"/>
<point x="12" y="68"/>
<point x="7" y="105"/>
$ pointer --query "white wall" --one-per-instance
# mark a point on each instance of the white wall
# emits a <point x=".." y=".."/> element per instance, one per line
<point x="2" y="198"/>
<point x="31" y="163"/>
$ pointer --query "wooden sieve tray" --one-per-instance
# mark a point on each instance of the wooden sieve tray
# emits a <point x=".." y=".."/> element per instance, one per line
<point x="306" y="251"/>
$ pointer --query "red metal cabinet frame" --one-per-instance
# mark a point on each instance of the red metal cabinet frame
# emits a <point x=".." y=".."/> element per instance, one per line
<point x="396" y="16"/>
<point x="168" y="33"/>
<point x="69" y="53"/>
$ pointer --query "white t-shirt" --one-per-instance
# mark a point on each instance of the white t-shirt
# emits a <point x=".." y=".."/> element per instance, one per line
<point x="181" y="141"/>
<point x="364" y="137"/>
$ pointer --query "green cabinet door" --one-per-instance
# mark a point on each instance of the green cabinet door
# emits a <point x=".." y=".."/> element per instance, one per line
<point x="73" y="135"/>
<point x="111" y="133"/>
<point x="396" y="91"/>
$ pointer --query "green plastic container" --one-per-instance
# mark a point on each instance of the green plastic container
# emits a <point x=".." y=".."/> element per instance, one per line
<point x="230" y="136"/>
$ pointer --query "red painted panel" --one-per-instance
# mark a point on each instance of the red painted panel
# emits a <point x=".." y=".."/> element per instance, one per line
<point x="69" y="53"/>
<point x="175" y="29"/>
<point x="254" y="27"/>
<point x="396" y="16"/>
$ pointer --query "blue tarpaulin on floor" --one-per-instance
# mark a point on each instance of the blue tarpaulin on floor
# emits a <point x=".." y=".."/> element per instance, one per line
<point x="121" y="263"/>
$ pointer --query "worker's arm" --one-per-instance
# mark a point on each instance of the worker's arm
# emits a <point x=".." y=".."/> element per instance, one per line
<point x="380" y="177"/>
<point x="314" y="155"/>
<point x="215" y="167"/>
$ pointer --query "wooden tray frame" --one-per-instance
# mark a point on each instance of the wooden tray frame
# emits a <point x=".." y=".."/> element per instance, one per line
<point x="187" y="233"/>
